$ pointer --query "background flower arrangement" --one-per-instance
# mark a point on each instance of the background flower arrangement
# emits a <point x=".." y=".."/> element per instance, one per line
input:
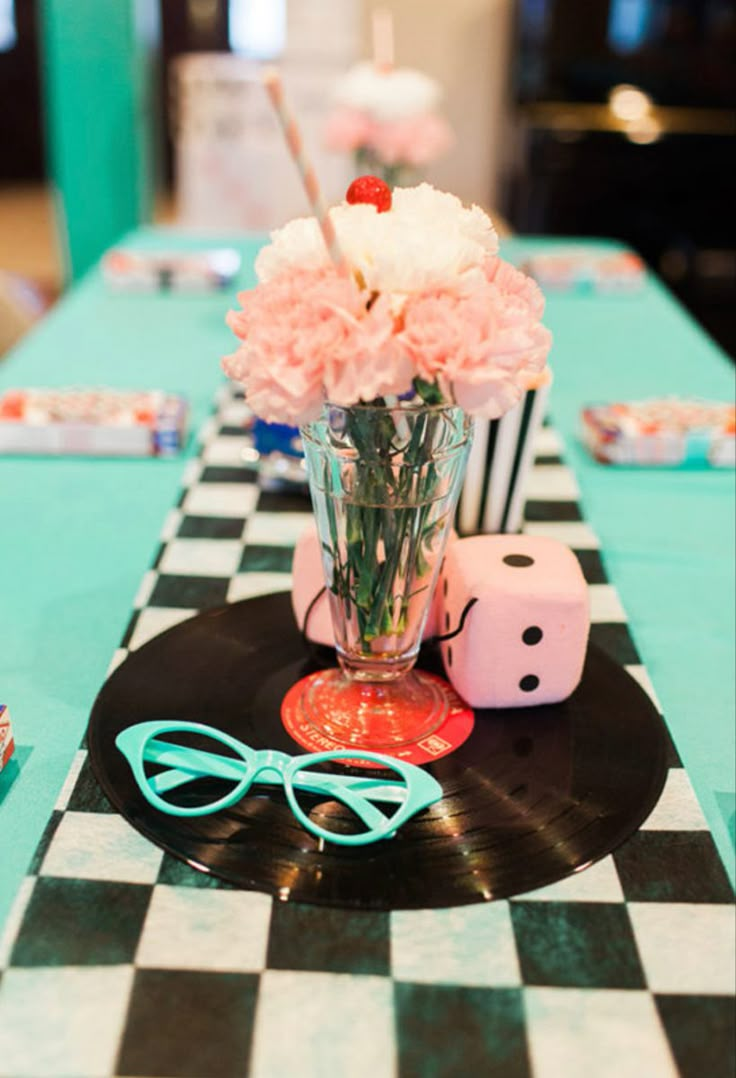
<point x="388" y="119"/>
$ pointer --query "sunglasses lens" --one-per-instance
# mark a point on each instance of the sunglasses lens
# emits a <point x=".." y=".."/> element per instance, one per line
<point x="341" y="797"/>
<point x="191" y="770"/>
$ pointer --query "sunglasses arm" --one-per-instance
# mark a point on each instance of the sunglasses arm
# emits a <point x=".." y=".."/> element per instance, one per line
<point x="188" y="763"/>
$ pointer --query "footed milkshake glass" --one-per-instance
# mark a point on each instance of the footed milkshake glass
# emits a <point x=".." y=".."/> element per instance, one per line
<point x="384" y="482"/>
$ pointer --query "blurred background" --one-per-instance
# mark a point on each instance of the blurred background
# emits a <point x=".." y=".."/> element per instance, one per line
<point x="605" y="118"/>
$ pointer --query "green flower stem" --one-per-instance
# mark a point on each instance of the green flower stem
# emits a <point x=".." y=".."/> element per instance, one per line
<point x="388" y="532"/>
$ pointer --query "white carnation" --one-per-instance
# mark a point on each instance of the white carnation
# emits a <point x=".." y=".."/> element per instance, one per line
<point x="427" y="240"/>
<point x="299" y="243"/>
<point x="388" y="95"/>
<point x="428" y="208"/>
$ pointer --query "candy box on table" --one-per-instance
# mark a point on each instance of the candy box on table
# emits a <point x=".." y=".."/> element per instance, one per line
<point x="661" y="432"/>
<point x="573" y="269"/>
<point x="102" y="422"/>
<point x="126" y="270"/>
<point x="7" y="745"/>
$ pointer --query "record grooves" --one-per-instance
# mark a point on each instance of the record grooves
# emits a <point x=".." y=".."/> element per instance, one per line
<point x="533" y="795"/>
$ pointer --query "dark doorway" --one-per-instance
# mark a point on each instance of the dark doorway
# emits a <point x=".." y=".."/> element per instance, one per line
<point x="21" y="129"/>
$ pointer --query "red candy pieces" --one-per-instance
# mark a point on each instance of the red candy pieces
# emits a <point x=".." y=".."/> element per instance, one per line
<point x="372" y="190"/>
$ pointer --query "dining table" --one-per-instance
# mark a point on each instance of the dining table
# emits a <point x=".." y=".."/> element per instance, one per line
<point x="117" y="958"/>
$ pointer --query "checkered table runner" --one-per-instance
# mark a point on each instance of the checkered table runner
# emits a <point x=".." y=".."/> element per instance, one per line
<point x="118" y="959"/>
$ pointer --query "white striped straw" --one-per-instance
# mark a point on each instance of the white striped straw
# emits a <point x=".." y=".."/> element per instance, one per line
<point x="383" y="39"/>
<point x="275" y="89"/>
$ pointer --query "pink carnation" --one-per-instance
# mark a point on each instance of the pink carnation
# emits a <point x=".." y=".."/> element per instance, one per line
<point x="481" y="346"/>
<point x="414" y="141"/>
<point x="348" y="130"/>
<point x="307" y="333"/>
<point x="512" y="282"/>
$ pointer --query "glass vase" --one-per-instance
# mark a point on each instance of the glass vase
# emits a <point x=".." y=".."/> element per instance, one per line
<point x="384" y="483"/>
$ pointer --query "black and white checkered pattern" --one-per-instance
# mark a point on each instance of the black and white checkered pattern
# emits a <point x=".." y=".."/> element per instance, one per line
<point x="118" y="959"/>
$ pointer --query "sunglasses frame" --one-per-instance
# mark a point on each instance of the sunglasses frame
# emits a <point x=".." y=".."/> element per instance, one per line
<point x="140" y="745"/>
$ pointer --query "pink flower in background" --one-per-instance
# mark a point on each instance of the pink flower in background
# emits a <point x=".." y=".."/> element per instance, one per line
<point x="348" y="130"/>
<point x="390" y="114"/>
<point x="307" y="332"/>
<point x="414" y="141"/>
<point x="410" y="141"/>
<point x="479" y="346"/>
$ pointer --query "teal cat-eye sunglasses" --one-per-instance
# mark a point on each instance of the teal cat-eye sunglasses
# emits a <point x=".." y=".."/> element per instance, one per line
<point x="408" y="788"/>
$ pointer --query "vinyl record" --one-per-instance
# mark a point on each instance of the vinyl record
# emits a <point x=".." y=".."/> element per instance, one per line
<point x="533" y="795"/>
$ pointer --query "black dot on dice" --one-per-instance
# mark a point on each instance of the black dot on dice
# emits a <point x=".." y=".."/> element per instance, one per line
<point x="444" y="587"/>
<point x="532" y="635"/>
<point x="449" y="656"/>
<point x="447" y="621"/>
<point x="518" y="561"/>
<point x="529" y="683"/>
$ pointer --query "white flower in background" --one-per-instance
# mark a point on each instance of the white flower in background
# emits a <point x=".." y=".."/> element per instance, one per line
<point x="388" y="95"/>
<point x="428" y="239"/>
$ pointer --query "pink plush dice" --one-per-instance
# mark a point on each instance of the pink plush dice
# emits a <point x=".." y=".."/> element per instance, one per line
<point x="308" y="579"/>
<point x="524" y="641"/>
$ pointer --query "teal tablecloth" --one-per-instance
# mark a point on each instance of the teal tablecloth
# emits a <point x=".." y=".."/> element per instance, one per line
<point x="77" y="534"/>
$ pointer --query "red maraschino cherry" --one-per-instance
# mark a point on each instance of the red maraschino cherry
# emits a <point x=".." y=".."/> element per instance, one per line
<point x="370" y="189"/>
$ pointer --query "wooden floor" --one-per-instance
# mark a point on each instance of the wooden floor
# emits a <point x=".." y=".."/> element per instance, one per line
<point x="28" y="244"/>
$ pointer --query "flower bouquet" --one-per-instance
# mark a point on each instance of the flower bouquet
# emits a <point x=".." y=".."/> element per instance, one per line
<point x="388" y="119"/>
<point x="383" y="359"/>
